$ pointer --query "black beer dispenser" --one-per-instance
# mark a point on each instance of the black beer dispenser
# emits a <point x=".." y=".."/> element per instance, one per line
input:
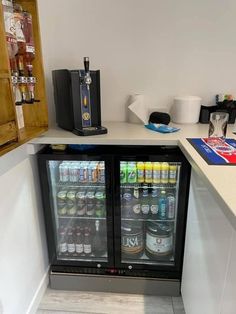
<point x="78" y="100"/>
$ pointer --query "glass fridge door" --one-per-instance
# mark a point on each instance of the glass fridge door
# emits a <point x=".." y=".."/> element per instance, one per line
<point x="78" y="198"/>
<point x="148" y="200"/>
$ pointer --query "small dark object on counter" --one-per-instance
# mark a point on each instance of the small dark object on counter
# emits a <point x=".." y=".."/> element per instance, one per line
<point x="206" y="111"/>
<point x="224" y="103"/>
<point x="159" y="117"/>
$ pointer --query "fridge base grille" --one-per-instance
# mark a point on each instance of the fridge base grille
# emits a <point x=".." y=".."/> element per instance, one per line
<point x="116" y="284"/>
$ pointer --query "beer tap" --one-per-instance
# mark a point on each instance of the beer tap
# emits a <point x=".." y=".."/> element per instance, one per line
<point x="87" y="78"/>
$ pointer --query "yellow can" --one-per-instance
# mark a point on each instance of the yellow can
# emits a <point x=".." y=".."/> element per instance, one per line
<point x="164" y="172"/>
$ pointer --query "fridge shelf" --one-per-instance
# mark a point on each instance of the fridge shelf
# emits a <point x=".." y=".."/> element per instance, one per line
<point x="80" y="185"/>
<point x="148" y="220"/>
<point x="89" y="258"/>
<point x="144" y="259"/>
<point x="82" y="217"/>
<point x="149" y="185"/>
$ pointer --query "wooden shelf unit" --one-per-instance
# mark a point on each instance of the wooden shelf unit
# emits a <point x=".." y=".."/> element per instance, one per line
<point x="35" y="115"/>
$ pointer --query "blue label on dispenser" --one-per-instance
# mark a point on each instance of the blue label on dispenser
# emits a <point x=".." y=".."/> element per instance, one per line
<point x="85" y="103"/>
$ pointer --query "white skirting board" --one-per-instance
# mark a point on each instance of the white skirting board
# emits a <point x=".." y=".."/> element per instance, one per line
<point x="34" y="304"/>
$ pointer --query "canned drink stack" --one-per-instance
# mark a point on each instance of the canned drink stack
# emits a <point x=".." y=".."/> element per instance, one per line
<point x="123" y="172"/>
<point x="140" y="172"/>
<point x="64" y="172"/>
<point x="101" y="172"/>
<point x="131" y="172"/>
<point x="164" y="172"/>
<point x="148" y="172"/>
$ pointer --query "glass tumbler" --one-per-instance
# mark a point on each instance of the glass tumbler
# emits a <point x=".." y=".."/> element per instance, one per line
<point x="217" y="127"/>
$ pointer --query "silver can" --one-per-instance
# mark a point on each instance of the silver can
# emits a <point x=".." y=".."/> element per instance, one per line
<point x="64" y="172"/>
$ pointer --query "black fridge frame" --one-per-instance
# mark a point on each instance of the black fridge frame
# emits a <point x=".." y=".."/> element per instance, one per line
<point x="112" y="155"/>
<point x="47" y="154"/>
<point x="154" y="153"/>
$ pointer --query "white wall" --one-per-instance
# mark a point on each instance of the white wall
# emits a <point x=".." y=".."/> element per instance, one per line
<point x="161" y="48"/>
<point x="23" y="260"/>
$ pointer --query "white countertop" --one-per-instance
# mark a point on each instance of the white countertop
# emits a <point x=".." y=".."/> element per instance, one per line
<point x="220" y="179"/>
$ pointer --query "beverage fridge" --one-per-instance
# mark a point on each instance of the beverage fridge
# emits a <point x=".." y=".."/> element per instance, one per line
<point x="115" y="216"/>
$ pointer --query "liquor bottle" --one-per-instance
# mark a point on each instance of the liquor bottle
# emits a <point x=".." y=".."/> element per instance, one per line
<point x="99" y="243"/>
<point x="10" y="28"/>
<point x="20" y="37"/>
<point x="87" y="241"/>
<point x="29" y="39"/>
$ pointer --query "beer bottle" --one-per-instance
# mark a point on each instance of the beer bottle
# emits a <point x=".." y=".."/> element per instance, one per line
<point x="136" y="202"/>
<point x="154" y="202"/>
<point x="62" y="241"/>
<point x="145" y="205"/>
<point x="87" y="241"/>
<point x="79" y="246"/>
<point x="99" y="247"/>
<point x="70" y="241"/>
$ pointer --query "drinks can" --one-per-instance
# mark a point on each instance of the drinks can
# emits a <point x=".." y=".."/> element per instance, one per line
<point x="148" y="172"/>
<point x="71" y="202"/>
<point x="92" y="172"/>
<point x="99" y="203"/>
<point x="81" y="202"/>
<point x="156" y="175"/>
<point x="61" y="202"/>
<point x="101" y="172"/>
<point x="131" y="172"/>
<point x="172" y="173"/>
<point x="64" y="172"/>
<point x="83" y="172"/>
<point x="164" y="172"/>
<point x="123" y="172"/>
<point x="170" y="206"/>
<point x="90" y="197"/>
<point x="74" y="172"/>
<point x="140" y="172"/>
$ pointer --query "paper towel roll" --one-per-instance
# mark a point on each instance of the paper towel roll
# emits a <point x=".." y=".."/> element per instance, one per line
<point x="138" y="110"/>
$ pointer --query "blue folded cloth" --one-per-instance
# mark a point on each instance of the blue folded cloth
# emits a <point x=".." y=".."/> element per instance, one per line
<point x="161" y="128"/>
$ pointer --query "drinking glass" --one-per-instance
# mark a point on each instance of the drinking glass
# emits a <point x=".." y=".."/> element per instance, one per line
<point x="217" y="128"/>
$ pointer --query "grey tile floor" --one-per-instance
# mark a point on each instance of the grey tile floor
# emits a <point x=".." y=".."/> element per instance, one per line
<point x="75" y="302"/>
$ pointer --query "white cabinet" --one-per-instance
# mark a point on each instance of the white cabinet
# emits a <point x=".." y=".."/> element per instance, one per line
<point x="228" y="305"/>
<point x="209" y="238"/>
